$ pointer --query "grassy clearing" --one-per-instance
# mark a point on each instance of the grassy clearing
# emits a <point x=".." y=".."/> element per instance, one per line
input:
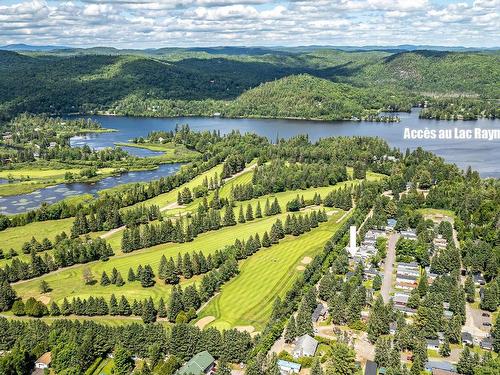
<point x="69" y="283"/>
<point x="247" y="300"/>
<point x="172" y="153"/>
<point x="15" y="237"/>
<point x="27" y="180"/>
<point x="436" y="212"/>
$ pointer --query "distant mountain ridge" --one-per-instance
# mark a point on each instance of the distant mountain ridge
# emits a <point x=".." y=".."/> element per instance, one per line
<point x="235" y="50"/>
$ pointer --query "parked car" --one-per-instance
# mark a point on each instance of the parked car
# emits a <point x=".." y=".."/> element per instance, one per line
<point x="487" y="324"/>
<point x="486" y="315"/>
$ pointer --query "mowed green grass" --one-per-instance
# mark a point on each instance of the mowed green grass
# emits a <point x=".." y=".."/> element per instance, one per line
<point x="247" y="300"/>
<point x="15" y="237"/>
<point x="165" y="199"/>
<point x="69" y="282"/>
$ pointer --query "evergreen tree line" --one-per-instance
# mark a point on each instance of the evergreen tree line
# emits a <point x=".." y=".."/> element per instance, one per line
<point x="28" y="247"/>
<point x="340" y="198"/>
<point x="66" y="253"/>
<point x="232" y="165"/>
<point x="76" y="345"/>
<point x="279" y="176"/>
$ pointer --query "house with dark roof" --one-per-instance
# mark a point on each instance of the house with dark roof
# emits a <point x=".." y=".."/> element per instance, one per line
<point x="306" y="346"/>
<point x="201" y="364"/>
<point x="467" y="339"/>
<point x="371" y="368"/>
<point x="319" y="313"/>
<point x="432" y="344"/>
<point x="486" y="343"/>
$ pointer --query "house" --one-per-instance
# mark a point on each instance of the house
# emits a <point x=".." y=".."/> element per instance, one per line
<point x="439" y="365"/>
<point x="201" y="363"/>
<point x="479" y="279"/>
<point x="406" y="280"/>
<point x="441" y="337"/>
<point x="406" y="310"/>
<point x="467" y="339"/>
<point x="319" y="313"/>
<point x="486" y="343"/>
<point x="391" y="223"/>
<point x="305" y="347"/>
<point x="370" y="274"/>
<point x="44" y="361"/>
<point x="371" y="368"/>
<point x="401" y="299"/>
<point x="409" y="234"/>
<point x="432" y="344"/>
<point x="288" y="367"/>
<point x="438" y="371"/>
<point x="392" y="328"/>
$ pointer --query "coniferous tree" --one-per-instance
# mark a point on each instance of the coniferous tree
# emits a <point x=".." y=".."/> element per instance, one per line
<point x="105" y="279"/>
<point x="258" y="211"/>
<point x="291" y="330"/>
<point x="249" y="213"/>
<point x="316" y="367"/>
<point x="54" y="309"/>
<point x="229" y="219"/>
<point x="119" y="280"/>
<point x="266" y="242"/>
<point x="470" y="289"/>
<point x="123" y="363"/>
<point x="124" y="307"/>
<point x="162" y="310"/>
<point x="148" y="311"/>
<point x="131" y="275"/>
<point x="241" y="217"/>
<point x="113" y="305"/>
<point x="444" y="350"/>
<point x="304" y="321"/>
<point x="147" y="277"/>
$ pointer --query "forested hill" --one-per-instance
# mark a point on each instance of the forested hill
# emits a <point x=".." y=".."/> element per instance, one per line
<point x="195" y="81"/>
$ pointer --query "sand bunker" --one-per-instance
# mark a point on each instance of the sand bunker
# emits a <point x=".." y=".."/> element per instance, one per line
<point x="203" y="322"/>
<point x="171" y="206"/>
<point x="330" y="213"/>
<point x="44" y="299"/>
<point x="249" y="329"/>
<point x="306" y="260"/>
<point x="301" y="268"/>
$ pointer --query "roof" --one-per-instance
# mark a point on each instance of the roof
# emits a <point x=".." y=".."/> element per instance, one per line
<point x="319" y="311"/>
<point x="466" y="336"/>
<point x="439" y="365"/>
<point x="197" y="365"/>
<point x="371" y="368"/>
<point x="432" y="342"/>
<point x="306" y="345"/>
<point x="437" y="371"/>
<point x="292" y="365"/>
<point x="46" y="358"/>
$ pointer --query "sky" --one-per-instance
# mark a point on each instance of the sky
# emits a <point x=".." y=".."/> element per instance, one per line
<point x="189" y="23"/>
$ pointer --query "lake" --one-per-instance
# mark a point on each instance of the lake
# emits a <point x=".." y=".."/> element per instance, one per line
<point x="25" y="202"/>
<point x="482" y="155"/>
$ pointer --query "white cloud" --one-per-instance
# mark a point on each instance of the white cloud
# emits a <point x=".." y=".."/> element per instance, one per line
<point x="148" y="23"/>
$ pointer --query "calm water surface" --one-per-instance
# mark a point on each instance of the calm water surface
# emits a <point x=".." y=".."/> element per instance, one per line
<point x="482" y="155"/>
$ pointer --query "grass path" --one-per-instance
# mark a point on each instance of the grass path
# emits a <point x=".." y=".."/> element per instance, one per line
<point x="247" y="300"/>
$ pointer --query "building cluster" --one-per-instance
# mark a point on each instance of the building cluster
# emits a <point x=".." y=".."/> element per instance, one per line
<point x="305" y="346"/>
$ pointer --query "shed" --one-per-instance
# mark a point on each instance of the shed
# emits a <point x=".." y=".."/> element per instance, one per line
<point x="371" y="368"/>
<point x="467" y="338"/>
<point x="288" y="367"/>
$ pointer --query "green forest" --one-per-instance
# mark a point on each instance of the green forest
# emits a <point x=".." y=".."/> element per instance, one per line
<point x="325" y="84"/>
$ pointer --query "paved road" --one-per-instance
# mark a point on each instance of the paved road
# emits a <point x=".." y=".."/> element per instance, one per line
<point x="389" y="266"/>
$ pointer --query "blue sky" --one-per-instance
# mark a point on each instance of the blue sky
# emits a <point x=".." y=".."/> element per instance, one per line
<point x="183" y="23"/>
